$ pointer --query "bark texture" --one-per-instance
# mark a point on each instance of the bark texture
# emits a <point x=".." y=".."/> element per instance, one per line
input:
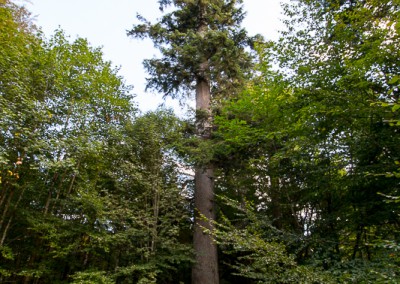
<point x="205" y="269"/>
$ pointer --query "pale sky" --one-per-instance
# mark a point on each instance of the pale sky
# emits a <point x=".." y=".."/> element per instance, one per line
<point x="104" y="23"/>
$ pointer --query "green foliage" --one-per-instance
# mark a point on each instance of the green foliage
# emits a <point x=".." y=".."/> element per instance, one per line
<point x="310" y="144"/>
<point x="88" y="190"/>
<point x="6" y="252"/>
<point x="265" y="261"/>
<point x="184" y="48"/>
<point x="306" y="156"/>
<point x="91" y="277"/>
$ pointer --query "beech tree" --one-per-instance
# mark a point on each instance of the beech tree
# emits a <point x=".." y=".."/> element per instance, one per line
<point x="318" y="141"/>
<point x="203" y="49"/>
<point x="89" y="191"/>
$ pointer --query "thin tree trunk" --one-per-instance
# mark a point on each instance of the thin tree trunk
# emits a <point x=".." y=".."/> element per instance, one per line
<point x="156" y="210"/>
<point x="49" y="195"/>
<point x="73" y="179"/>
<point x="357" y="244"/>
<point x="275" y="196"/>
<point x="46" y="207"/>
<point x="86" y="259"/>
<point x="3" y="237"/>
<point x="4" y="192"/>
<point x="7" y="206"/>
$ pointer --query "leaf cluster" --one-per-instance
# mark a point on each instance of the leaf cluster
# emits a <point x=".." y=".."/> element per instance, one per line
<point x="184" y="48"/>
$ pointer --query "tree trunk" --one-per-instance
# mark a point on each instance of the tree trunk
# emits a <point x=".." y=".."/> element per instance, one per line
<point x="5" y="210"/>
<point x="3" y="237"/>
<point x="156" y="211"/>
<point x="205" y="269"/>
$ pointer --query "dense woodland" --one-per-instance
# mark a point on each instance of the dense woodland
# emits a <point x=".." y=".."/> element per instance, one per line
<point x="298" y="140"/>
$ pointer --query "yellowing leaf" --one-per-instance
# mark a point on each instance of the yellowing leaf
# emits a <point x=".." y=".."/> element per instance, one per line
<point x="395" y="107"/>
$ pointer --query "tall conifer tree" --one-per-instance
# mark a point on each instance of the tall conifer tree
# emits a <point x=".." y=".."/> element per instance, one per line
<point x="203" y="50"/>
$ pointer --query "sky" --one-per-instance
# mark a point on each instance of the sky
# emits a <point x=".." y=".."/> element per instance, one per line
<point x="105" y="22"/>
